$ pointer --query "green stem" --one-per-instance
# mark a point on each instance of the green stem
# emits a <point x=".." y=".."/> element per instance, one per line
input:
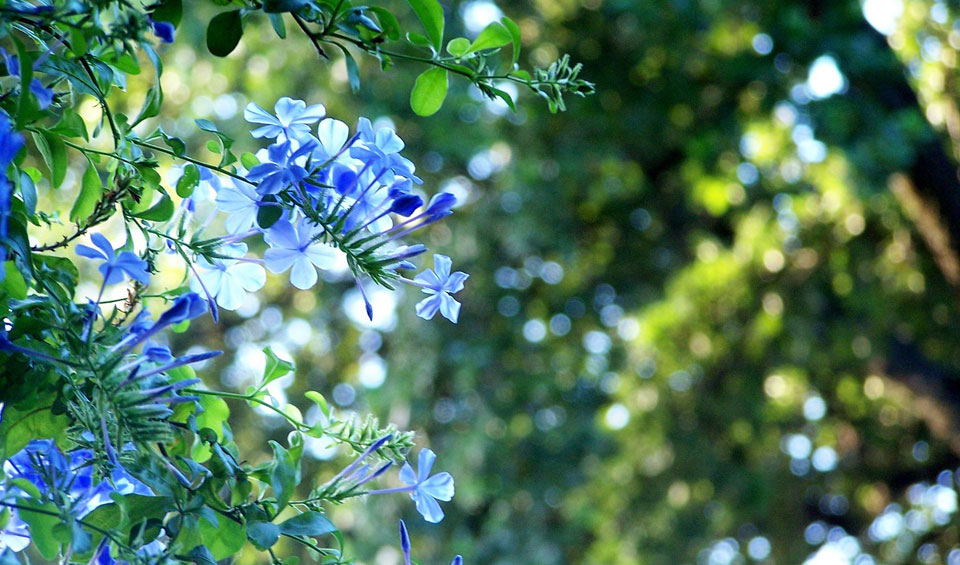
<point x="189" y="159"/>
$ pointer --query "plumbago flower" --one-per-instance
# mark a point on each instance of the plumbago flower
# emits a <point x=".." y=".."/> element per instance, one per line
<point x="228" y="279"/>
<point x="440" y="284"/>
<point x="296" y="248"/>
<point x="116" y="265"/>
<point x="65" y="480"/>
<point x="292" y="120"/>
<point x="320" y="199"/>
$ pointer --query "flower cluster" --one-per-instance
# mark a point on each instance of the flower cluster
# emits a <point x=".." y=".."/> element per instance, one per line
<point x="65" y="480"/>
<point x="323" y="201"/>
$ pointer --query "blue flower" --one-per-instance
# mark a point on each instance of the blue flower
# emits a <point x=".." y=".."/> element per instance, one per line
<point x="241" y="203"/>
<point x="428" y="489"/>
<point x="292" y="121"/>
<point x="229" y="280"/>
<point x="333" y="136"/>
<point x="164" y="30"/>
<point x="381" y="150"/>
<point x="186" y="307"/>
<point x="10" y="144"/>
<point x="281" y="170"/>
<point x="440" y="284"/>
<point x="70" y="475"/>
<point x="10" y="141"/>
<point x="296" y="249"/>
<point x="115" y="265"/>
<point x="43" y="94"/>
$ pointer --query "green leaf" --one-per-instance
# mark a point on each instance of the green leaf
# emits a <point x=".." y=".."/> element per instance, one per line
<point x="319" y="400"/>
<point x="353" y="72"/>
<point x="514" y="30"/>
<point x="18" y="428"/>
<point x="429" y="92"/>
<point x="13" y="281"/>
<point x="200" y="554"/>
<point x="27" y="108"/>
<point x="224" y="33"/>
<point x="276" y="21"/>
<point x="215" y="413"/>
<point x="458" y="46"/>
<point x="28" y="191"/>
<point x="388" y="22"/>
<point x="493" y="36"/>
<point x="43" y="526"/>
<point x="71" y="125"/>
<point x="263" y="534"/>
<point x="168" y="11"/>
<point x="90" y="191"/>
<point x="310" y="524"/>
<point x="275" y="367"/>
<point x="188" y="181"/>
<point x="249" y="160"/>
<point x="284" y="473"/>
<point x="159" y="212"/>
<point x="431" y="16"/>
<point x="280" y="6"/>
<point x="268" y="215"/>
<point x="54" y="154"/>
<point x="151" y="105"/>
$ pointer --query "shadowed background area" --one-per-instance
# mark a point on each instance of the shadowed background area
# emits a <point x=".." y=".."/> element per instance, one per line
<point x="713" y="310"/>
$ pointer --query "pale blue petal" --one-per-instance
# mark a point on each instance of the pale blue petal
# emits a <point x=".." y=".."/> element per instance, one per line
<point x="407" y="475"/>
<point x="428" y="508"/>
<point x="279" y="260"/>
<point x="439" y="486"/>
<point x="442" y="264"/>
<point x="303" y="275"/>
<point x="250" y="276"/>
<point x="425" y="463"/>
<point x="283" y="235"/>
<point x="428" y="307"/>
<point x="449" y="307"/>
<point x="429" y="279"/>
<point x="257" y="115"/>
<point x="454" y="282"/>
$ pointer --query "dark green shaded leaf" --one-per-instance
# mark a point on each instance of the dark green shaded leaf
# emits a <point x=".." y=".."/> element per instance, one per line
<point x="224" y="33"/>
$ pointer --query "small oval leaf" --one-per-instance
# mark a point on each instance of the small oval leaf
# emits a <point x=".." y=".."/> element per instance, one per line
<point x="224" y="32"/>
<point x="429" y="92"/>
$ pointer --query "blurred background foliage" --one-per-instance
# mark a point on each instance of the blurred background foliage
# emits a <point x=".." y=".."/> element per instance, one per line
<point x="713" y="311"/>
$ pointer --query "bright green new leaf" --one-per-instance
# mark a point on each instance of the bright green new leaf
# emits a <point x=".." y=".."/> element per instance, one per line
<point x="431" y="16"/>
<point x="188" y="181"/>
<point x="458" y="46"/>
<point x="215" y="413"/>
<point x="429" y="92"/>
<point x="514" y="30"/>
<point x="493" y="36"/>
<point x="275" y="367"/>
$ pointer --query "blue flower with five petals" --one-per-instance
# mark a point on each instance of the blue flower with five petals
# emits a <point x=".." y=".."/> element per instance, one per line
<point x="427" y="490"/>
<point x="440" y="283"/>
<point x="115" y="265"/>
